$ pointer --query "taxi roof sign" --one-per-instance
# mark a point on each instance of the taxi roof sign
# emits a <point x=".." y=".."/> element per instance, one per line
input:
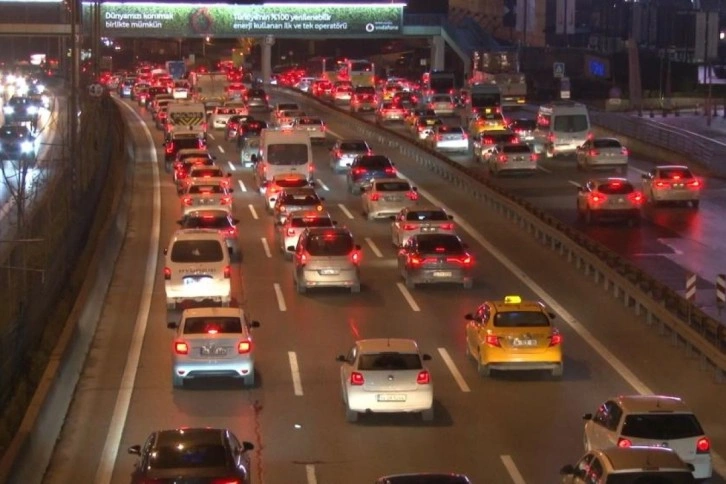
<point x="512" y="299"/>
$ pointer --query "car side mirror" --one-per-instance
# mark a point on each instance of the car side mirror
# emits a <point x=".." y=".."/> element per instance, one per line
<point x="322" y="199"/>
<point x="135" y="449"/>
<point x="165" y="251"/>
<point x="291" y="248"/>
<point x="230" y="190"/>
<point x="335" y="222"/>
<point x="254" y="324"/>
<point x="415" y="189"/>
<point x="341" y="358"/>
<point x="172" y="325"/>
<point x="180" y="221"/>
<point x="587" y="416"/>
<point x="567" y="470"/>
<point x="469" y="317"/>
<point x="273" y="199"/>
<point x="235" y="221"/>
<point x="357" y="247"/>
<point x="551" y="315"/>
<point x="228" y="175"/>
<point x="247" y="446"/>
<point x="426" y="357"/>
<point x="451" y="217"/>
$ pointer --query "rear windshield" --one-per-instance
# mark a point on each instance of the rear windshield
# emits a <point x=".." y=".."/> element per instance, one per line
<point x="520" y="319"/>
<point x="300" y="199"/>
<point x="286" y="106"/>
<point x="524" y="124"/>
<point x="606" y="143"/>
<point x="443" y="244"/>
<point x="394" y="186"/>
<point x="450" y="129"/>
<point x="187" y="143"/>
<point x="256" y="93"/>
<point x="672" y="173"/>
<point x="196" y="189"/>
<point x="329" y="244"/>
<point x="310" y="121"/>
<point x="188" y="456"/>
<point x="661" y="426"/>
<point x="354" y="146"/>
<point x="207" y="222"/>
<point x="375" y="162"/>
<point x="518" y="148"/>
<point x="413" y="479"/>
<point x="287" y="154"/>
<point x="207" y="173"/>
<point x="212" y="325"/>
<point x="193" y="251"/>
<point x="638" y="477"/>
<point x="226" y="110"/>
<point x="299" y="222"/>
<point x="389" y="361"/>
<point x="428" y="121"/>
<point x="441" y="99"/>
<point x="571" y="123"/>
<point x="420" y="215"/>
<point x="365" y="90"/>
<point x="500" y="139"/>
<point x="616" y="188"/>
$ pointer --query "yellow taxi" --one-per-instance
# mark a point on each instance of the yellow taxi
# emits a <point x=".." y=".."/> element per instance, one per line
<point x="513" y="334"/>
<point x="488" y="119"/>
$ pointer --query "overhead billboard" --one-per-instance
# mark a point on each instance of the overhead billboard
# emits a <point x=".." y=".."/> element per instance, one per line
<point x="292" y="20"/>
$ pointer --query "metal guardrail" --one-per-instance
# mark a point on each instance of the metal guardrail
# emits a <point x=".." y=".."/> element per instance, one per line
<point x="694" y="147"/>
<point x="655" y="303"/>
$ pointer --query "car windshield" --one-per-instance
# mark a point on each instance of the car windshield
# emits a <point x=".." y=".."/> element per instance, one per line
<point x="661" y="426"/>
<point x="616" y="188"/>
<point x="188" y="456"/>
<point x="606" y="143"/>
<point x="194" y="251"/>
<point x="675" y="173"/>
<point x="656" y="477"/>
<point x="212" y="325"/>
<point x="207" y="222"/>
<point x="440" y="244"/>
<point x="329" y="244"/>
<point x="300" y="222"/>
<point x="520" y="319"/>
<point x="571" y="123"/>
<point x="393" y="186"/>
<point x="353" y="146"/>
<point x="199" y="189"/>
<point x="389" y="361"/>
<point x="427" y="215"/>
<point x="287" y="154"/>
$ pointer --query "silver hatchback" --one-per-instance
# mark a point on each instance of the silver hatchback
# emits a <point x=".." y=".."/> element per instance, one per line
<point x="420" y="220"/>
<point x="326" y="257"/>
<point x="435" y="258"/>
<point x="385" y="197"/>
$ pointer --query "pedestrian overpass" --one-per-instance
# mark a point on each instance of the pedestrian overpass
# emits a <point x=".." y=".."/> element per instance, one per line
<point x="266" y="22"/>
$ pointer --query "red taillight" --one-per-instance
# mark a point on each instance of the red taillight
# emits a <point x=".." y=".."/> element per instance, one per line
<point x="375" y="197"/>
<point x="590" y="135"/>
<point x="551" y="137"/>
<point x="170" y="148"/>
<point x="439" y="137"/>
<point x="181" y="348"/>
<point x="187" y="201"/>
<point x="625" y="151"/>
<point x="244" y="347"/>
<point x="290" y="232"/>
<point x="447" y="226"/>
<point x="423" y="377"/>
<point x="412" y="195"/>
<point x="302" y="258"/>
<point x="661" y="184"/>
<point x="597" y="198"/>
<point x="355" y="257"/>
<point x="636" y="197"/>
<point x="232" y="231"/>
<point x="703" y="445"/>
<point x="502" y="158"/>
<point x="533" y="157"/>
<point x="390" y="171"/>
<point x="593" y="153"/>
<point x="415" y="260"/>
<point x="357" y="379"/>
<point x="358" y="171"/>
<point x="338" y="153"/>
<point x="227" y="272"/>
<point x="167" y="273"/>
<point x="624" y="443"/>
<point x="693" y="184"/>
<point x="492" y="340"/>
<point x="226" y="480"/>
<point x="226" y="200"/>
<point x="555" y="339"/>
<point x="409" y="227"/>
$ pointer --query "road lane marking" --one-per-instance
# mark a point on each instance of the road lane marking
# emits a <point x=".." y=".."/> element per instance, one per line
<point x="105" y="468"/>
<point x="211" y="136"/>
<point x="574" y="183"/>
<point x="408" y="297"/>
<point x="542" y="168"/>
<point x="310" y="474"/>
<point x="354" y="329"/>
<point x="266" y="246"/>
<point x="221" y="150"/>
<point x="454" y="370"/>
<point x="241" y="186"/>
<point x="373" y="247"/>
<point x="280" y="297"/>
<point x="323" y="185"/>
<point x="231" y="166"/>
<point x="295" y="369"/>
<point x="345" y="211"/>
<point x="333" y="133"/>
<point x="253" y="211"/>
<point x="512" y="469"/>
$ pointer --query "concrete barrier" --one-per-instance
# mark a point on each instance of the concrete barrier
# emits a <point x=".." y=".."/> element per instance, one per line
<point x="30" y="451"/>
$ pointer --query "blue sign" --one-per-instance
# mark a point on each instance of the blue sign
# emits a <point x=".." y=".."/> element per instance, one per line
<point x="558" y="69"/>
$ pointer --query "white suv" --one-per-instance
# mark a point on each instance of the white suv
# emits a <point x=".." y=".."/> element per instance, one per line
<point x="197" y="268"/>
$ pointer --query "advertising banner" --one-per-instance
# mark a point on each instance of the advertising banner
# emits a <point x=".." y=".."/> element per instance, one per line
<point x="290" y="20"/>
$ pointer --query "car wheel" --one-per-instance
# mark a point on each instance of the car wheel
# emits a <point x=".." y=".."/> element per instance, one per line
<point x="249" y="380"/>
<point x="351" y="415"/>
<point x="428" y="415"/>
<point x="482" y="369"/>
<point x="468" y="283"/>
<point x="177" y="381"/>
<point x="557" y="372"/>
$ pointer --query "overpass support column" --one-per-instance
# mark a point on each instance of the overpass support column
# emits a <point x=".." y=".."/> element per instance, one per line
<point x="438" y="48"/>
<point x="267" y="58"/>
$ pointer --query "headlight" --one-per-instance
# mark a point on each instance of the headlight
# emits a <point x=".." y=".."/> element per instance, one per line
<point x="40" y="88"/>
<point x="8" y="110"/>
<point x="32" y="109"/>
<point x="27" y="147"/>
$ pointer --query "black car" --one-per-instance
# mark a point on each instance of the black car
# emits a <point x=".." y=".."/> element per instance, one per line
<point x="425" y="478"/>
<point x="257" y="99"/>
<point x="250" y="129"/>
<point x="16" y="143"/>
<point x="199" y="455"/>
<point x="233" y="125"/>
<point x="153" y="92"/>
<point x="179" y="142"/>
<point x="367" y="167"/>
<point x="21" y="109"/>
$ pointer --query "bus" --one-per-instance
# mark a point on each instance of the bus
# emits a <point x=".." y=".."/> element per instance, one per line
<point x="359" y="72"/>
<point x="321" y="67"/>
<point x="482" y="96"/>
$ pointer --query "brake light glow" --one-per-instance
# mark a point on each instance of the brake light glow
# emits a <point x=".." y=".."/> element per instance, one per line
<point x="355" y="257"/>
<point x="593" y="153"/>
<point x="625" y="151"/>
<point x="624" y="443"/>
<point x="181" y="348"/>
<point x="375" y="197"/>
<point x="423" y="377"/>
<point x="447" y="226"/>
<point x="290" y="232"/>
<point x="661" y="184"/>
<point x="555" y="339"/>
<point x="492" y="340"/>
<point x="356" y="378"/>
<point x="244" y="347"/>
<point x="390" y="171"/>
<point x="167" y="273"/>
<point x="703" y="445"/>
<point x="232" y="231"/>
<point x="303" y="258"/>
<point x="694" y="184"/>
<point x="409" y="227"/>
<point x="358" y="171"/>
<point x="415" y="260"/>
<point x="597" y="198"/>
<point x="226" y="200"/>
<point x="412" y="195"/>
<point x="636" y="197"/>
<point x="227" y="480"/>
<point x="227" y="272"/>
<point x="187" y="201"/>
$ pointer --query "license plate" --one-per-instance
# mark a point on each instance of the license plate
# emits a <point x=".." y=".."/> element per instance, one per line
<point x="206" y="351"/>
<point x="391" y="397"/>
<point x="428" y="229"/>
<point x="524" y="342"/>
<point x="329" y="272"/>
<point x="393" y="199"/>
<point x="678" y="185"/>
<point x="193" y="280"/>
<point x="442" y="274"/>
<point x="519" y="158"/>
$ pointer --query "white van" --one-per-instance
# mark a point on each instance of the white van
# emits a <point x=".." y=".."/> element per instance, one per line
<point x="562" y="126"/>
<point x="186" y="117"/>
<point x="282" y="152"/>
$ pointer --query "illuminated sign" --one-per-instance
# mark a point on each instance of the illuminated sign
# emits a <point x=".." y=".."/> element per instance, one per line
<point x="598" y="67"/>
<point x="291" y="20"/>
